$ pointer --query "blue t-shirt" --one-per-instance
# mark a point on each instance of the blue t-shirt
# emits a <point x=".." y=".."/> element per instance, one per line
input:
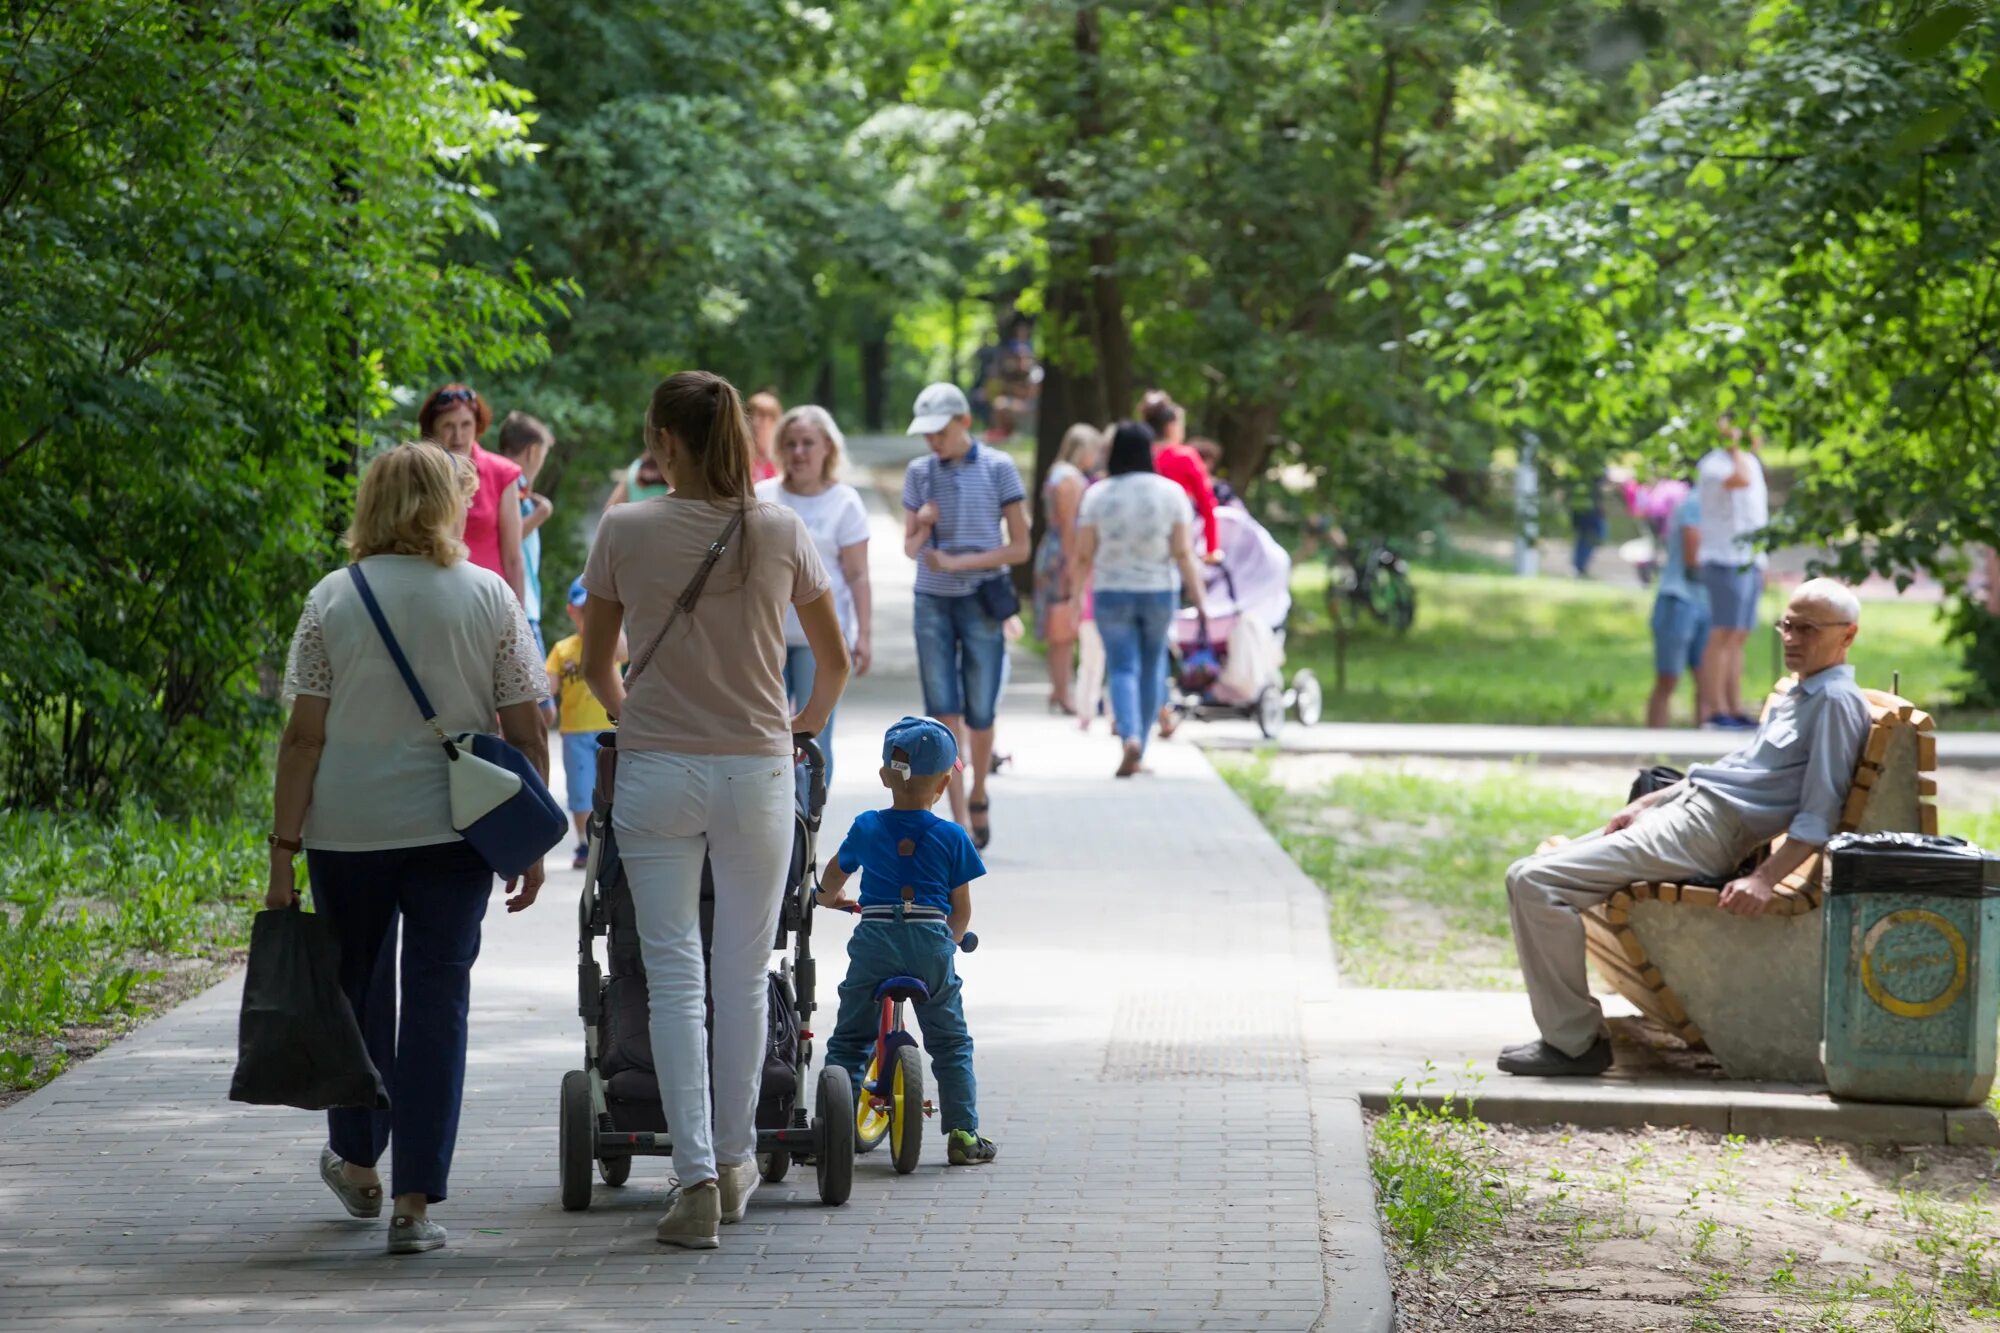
<point x="1674" y="581"/>
<point x="942" y="857"/>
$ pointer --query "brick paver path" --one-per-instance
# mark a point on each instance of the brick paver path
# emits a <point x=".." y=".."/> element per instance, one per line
<point x="1140" y="1003"/>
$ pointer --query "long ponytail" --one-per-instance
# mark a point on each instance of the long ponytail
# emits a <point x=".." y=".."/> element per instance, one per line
<point x="704" y="414"/>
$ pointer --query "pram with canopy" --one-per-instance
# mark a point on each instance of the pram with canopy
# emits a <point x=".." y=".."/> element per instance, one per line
<point x="1231" y="662"/>
<point x="610" y="1109"/>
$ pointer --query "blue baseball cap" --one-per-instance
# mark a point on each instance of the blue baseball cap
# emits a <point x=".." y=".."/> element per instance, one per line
<point x="929" y="744"/>
<point x="577" y="595"/>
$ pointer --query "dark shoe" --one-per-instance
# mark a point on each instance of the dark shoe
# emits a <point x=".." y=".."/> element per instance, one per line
<point x="1130" y="763"/>
<point x="581" y="858"/>
<point x="982" y="829"/>
<point x="1542" y="1060"/>
<point x="965" y="1148"/>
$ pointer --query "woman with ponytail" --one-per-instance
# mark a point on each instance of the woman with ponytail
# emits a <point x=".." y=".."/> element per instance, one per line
<point x="705" y="768"/>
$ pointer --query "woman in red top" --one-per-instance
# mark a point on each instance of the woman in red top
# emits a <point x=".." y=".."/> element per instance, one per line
<point x="454" y="417"/>
<point x="1180" y="463"/>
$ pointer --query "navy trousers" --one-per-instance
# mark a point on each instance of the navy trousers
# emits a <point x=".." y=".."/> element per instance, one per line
<point x="438" y="894"/>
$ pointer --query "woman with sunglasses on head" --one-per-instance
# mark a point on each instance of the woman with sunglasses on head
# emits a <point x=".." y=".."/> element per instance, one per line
<point x="454" y="417"/>
<point x="700" y="580"/>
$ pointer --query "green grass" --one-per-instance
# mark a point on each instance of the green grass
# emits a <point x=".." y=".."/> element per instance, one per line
<point x="94" y="914"/>
<point x="1414" y="867"/>
<point x="1438" y="1182"/>
<point x="1492" y="648"/>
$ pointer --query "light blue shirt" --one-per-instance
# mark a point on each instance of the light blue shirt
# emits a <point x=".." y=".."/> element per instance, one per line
<point x="1794" y="775"/>
<point x="1673" y="570"/>
<point x="531" y="568"/>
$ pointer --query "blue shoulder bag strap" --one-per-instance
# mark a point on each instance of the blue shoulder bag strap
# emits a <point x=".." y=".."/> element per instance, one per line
<point x="396" y="655"/>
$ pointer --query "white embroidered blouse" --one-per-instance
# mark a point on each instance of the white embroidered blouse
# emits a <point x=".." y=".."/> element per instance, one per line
<point x="381" y="782"/>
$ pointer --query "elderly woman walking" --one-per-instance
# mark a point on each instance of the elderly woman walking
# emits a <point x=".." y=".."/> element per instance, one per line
<point x="705" y="764"/>
<point x="362" y="788"/>
<point x="1135" y="552"/>
<point x="454" y="417"/>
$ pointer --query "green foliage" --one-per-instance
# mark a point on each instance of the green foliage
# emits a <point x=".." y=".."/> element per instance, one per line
<point x="221" y="236"/>
<point x="1807" y="241"/>
<point x="91" y="910"/>
<point x="1438" y="1181"/>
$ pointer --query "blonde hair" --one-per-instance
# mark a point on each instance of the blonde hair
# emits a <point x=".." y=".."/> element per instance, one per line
<point x="1076" y="439"/>
<point x="412" y="502"/>
<point x="820" y="420"/>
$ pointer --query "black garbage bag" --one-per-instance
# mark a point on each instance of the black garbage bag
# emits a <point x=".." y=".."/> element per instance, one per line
<point x="297" y="1043"/>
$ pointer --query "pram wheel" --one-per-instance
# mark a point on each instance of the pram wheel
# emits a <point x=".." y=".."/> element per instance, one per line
<point x="578" y="1129"/>
<point x="1306" y="698"/>
<point x="614" y="1171"/>
<point x="1270" y="711"/>
<point x="834" y="1112"/>
<point x="906" y="1110"/>
<point x="774" y="1166"/>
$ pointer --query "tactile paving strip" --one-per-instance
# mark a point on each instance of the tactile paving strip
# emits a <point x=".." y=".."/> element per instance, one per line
<point x="1242" y="1035"/>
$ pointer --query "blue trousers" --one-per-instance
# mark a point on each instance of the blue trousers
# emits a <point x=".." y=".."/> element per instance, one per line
<point x="1134" y="628"/>
<point x="439" y="894"/>
<point x="924" y="950"/>
<point x="801" y="669"/>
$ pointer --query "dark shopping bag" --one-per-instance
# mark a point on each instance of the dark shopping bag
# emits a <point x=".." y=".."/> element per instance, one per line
<point x="297" y="1043"/>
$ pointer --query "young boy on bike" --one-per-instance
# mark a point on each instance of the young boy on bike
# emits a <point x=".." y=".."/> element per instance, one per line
<point x="915" y="904"/>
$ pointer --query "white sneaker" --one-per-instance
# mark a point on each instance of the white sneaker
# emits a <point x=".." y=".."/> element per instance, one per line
<point x="737" y="1182"/>
<point x="692" y="1215"/>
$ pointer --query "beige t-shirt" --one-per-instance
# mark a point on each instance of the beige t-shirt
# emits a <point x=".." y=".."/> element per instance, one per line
<point x="717" y="685"/>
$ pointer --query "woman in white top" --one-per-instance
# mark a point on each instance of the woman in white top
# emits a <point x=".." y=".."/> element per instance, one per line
<point x="1134" y="552"/>
<point x="362" y="786"/>
<point x="705" y="744"/>
<point x="809" y="450"/>
<point x="1055" y="610"/>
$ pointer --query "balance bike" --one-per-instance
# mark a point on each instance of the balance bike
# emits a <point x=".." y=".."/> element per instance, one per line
<point x="892" y="1104"/>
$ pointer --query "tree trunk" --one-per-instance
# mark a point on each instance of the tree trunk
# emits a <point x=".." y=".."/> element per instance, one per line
<point x="1109" y="332"/>
<point x="823" y="383"/>
<point x="1246" y="432"/>
<point x="874" y="381"/>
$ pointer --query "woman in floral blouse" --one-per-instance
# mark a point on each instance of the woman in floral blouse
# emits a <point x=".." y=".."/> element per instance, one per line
<point x="362" y="789"/>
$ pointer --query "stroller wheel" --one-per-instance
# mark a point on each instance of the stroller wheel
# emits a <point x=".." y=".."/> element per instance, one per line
<point x="774" y="1166"/>
<point x="577" y="1129"/>
<point x="1306" y="698"/>
<point x="614" y="1170"/>
<point x="834" y="1127"/>
<point x="1270" y="711"/>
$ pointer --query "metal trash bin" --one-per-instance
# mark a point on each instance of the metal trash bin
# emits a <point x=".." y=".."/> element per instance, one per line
<point x="1912" y="960"/>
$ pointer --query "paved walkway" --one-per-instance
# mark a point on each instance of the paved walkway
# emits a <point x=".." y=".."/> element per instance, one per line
<point x="1151" y="1003"/>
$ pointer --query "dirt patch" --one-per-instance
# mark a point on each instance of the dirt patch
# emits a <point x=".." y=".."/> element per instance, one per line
<point x="180" y="979"/>
<point x="1677" y="1230"/>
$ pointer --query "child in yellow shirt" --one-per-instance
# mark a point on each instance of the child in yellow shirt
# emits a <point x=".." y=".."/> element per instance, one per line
<point x="580" y="717"/>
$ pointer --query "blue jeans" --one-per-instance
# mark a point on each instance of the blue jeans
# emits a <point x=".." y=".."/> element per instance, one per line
<point x="1134" y="628"/>
<point x="922" y="949"/>
<point x="439" y="893"/>
<point x="960" y="650"/>
<point x="801" y="668"/>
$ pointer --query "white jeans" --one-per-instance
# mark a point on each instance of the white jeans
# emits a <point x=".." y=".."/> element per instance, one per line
<point x="670" y="811"/>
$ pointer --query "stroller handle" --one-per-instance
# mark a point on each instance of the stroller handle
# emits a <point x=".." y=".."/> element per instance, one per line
<point x="807" y="744"/>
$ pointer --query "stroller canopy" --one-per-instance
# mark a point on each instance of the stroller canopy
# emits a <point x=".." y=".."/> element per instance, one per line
<point x="1255" y="577"/>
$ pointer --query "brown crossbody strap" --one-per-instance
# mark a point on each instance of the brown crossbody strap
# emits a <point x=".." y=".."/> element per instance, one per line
<point x="689" y="595"/>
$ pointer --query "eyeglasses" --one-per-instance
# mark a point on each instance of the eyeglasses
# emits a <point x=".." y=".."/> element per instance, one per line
<point x="1791" y="626"/>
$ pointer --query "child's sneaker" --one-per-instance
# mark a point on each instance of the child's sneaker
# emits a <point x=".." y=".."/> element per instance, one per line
<point x="581" y="858"/>
<point x="965" y="1148"/>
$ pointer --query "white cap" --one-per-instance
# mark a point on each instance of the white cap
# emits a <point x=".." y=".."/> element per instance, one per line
<point x="936" y="406"/>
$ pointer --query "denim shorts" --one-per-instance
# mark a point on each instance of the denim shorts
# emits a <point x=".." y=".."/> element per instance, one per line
<point x="579" y="768"/>
<point x="1680" y="632"/>
<point x="960" y="650"/>
<point x="1732" y="594"/>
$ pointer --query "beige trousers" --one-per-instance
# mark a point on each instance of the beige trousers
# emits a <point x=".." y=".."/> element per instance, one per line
<point x="1692" y="835"/>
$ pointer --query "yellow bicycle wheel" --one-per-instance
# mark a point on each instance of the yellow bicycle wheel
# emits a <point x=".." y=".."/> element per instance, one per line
<point x="871" y="1123"/>
<point x="906" y="1109"/>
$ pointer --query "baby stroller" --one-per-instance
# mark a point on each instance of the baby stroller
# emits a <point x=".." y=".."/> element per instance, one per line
<point x="610" y="1110"/>
<point x="1230" y="663"/>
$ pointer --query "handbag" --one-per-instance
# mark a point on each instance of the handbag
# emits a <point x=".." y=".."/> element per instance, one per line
<point x="499" y="803"/>
<point x="297" y="1042"/>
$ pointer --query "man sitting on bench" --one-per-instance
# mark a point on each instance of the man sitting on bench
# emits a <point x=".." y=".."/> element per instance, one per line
<point x="1792" y="778"/>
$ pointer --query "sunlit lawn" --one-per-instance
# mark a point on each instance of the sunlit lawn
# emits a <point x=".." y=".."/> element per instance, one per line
<point x="1553" y="651"/>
